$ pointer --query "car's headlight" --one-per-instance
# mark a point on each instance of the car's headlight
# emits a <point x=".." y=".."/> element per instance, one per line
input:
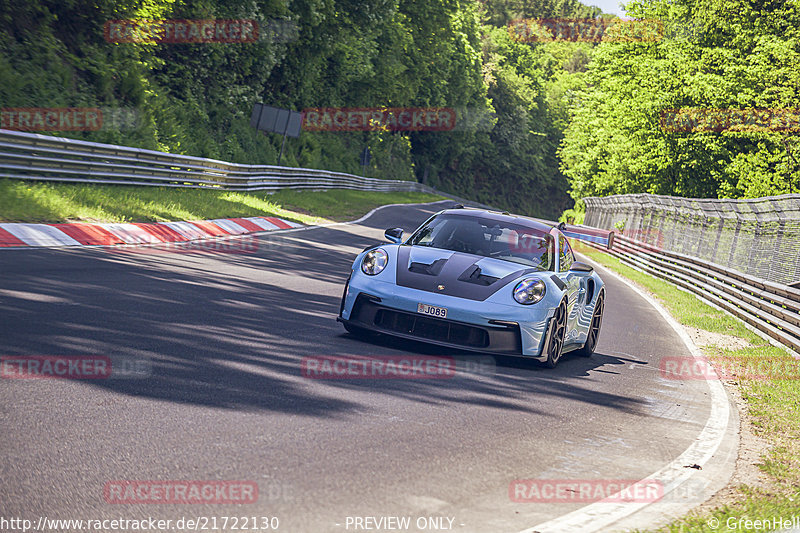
<point x="529" y="291"/>
<point x="374" y="262"/>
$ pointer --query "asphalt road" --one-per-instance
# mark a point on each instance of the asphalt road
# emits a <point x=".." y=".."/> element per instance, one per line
<point x="221" y="396"/>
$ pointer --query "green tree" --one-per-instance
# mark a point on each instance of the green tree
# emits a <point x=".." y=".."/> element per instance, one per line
<point x="723" y="54"/>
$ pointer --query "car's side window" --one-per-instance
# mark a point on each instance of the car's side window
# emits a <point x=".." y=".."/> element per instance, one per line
<point x="566" y="258"/>
<point x="432" y="235"/>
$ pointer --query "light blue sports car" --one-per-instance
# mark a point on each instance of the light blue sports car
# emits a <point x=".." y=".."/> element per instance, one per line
<point x="478" y="280"/>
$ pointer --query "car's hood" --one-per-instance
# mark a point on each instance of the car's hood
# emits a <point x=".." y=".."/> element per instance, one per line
<point x="453" y="273"/>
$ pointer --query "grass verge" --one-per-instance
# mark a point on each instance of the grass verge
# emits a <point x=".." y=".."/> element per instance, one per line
<point x="773" y="406"/>
<point x="23" y="201"/>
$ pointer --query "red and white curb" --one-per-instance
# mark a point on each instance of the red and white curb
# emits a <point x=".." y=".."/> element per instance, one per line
<point x="13" y="234"/>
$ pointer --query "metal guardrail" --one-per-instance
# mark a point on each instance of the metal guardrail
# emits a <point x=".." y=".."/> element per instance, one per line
<point x="45" y="158"/>
<point x="760" y="237"/>
<point x="770" y="307"/>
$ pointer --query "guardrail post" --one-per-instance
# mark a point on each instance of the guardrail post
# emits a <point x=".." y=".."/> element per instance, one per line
<point x="735" y="241"/>
<point x="755" y="242"/>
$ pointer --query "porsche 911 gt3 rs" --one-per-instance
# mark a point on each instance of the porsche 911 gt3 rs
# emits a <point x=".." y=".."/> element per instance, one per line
<point x="478" y="280"/>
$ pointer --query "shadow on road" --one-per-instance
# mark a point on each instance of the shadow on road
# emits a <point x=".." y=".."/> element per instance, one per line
<point x="230" y="330"/>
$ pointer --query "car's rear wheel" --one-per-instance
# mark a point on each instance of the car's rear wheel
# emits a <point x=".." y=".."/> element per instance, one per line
<point x="594" y="328"/>
<point x="555" y="336"/>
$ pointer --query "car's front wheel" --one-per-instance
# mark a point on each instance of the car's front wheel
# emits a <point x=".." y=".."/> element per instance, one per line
<point x="555" y="336"/>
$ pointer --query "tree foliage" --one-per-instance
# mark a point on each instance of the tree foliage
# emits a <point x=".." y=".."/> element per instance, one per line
<point x="715" y="54"/>
<point x="196" y="98"/>
<point x="549" y="116"/>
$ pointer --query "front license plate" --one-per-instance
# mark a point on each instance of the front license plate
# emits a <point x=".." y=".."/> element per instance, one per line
<point x="432" y="310"/>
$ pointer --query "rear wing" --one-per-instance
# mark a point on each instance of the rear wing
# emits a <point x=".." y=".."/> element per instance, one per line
<point x="602" y="237"/>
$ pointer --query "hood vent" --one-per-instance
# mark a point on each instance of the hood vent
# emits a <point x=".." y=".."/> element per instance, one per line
<point x="459" y="273"/>
<point x="431" y="270"/>
<point x="473" y="275"/>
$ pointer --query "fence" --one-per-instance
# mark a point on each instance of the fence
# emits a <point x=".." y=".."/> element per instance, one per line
<point x="759" y="238"/>
<point x="735" y="253"/>
<point x="770" y="307"/>
<point x="43" y="157"/>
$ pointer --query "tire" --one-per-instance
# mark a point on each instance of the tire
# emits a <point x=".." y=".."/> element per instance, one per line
<point x="555" y="336"/>
<point x="356" y="331"/>
<point x="594" y="328"/>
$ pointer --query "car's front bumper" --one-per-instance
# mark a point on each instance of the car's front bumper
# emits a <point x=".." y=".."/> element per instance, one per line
<point x="486" y="327"/>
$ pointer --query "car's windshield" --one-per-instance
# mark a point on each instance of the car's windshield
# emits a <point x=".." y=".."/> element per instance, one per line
<point x="489" y="238"/>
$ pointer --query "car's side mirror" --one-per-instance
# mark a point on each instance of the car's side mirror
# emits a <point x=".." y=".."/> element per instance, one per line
<point x="394" y="235"/>
<point x="577" y="266"/>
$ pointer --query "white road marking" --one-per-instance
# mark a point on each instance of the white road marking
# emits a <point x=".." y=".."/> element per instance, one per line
<point x="599" y="516"/>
